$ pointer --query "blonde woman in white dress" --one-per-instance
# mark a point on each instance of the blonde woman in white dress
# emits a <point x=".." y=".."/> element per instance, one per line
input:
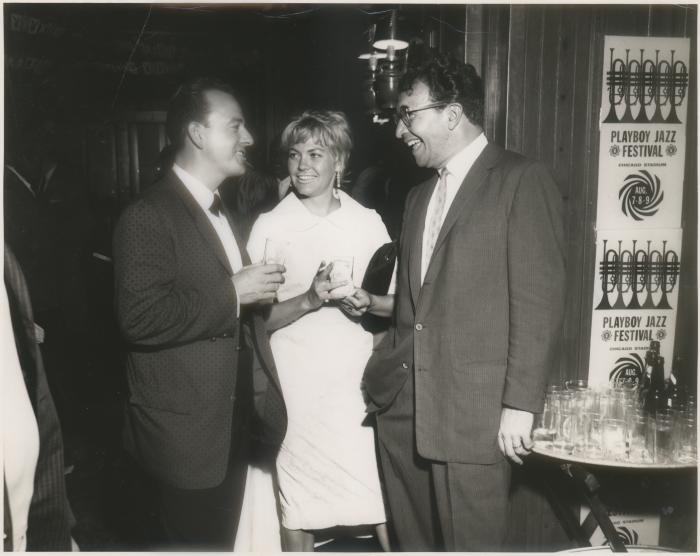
<point x="326" y="467"/>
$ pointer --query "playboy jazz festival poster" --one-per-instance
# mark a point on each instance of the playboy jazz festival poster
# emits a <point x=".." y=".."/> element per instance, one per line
<point x="638" y="226"/>
<point x="640" y="194"/>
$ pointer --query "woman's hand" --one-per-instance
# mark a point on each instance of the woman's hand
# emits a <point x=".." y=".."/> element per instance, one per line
<point x="356" y="304"/>
<point x="321" y="287"/>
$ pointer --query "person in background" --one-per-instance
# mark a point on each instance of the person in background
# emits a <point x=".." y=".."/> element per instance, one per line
<point x="479" y="306"/>
<point x="326" y="467"/>
<point x="186" y="297"/>
<point x="248" y="196"/>
<point x="37" y="515"/>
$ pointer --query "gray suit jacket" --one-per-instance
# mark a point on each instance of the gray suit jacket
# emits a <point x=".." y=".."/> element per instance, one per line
<point x="176" y="307"/>
<point x="482" y="331"/>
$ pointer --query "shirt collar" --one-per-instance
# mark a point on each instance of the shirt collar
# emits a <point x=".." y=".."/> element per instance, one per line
<point x="460" y="164"/>
<point x="201" y="193"/>
<point x="299" y="218"/>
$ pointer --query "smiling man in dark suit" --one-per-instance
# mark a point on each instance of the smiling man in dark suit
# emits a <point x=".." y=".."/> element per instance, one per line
<point x="186" y="294"/>
<point x="478" y="311"/>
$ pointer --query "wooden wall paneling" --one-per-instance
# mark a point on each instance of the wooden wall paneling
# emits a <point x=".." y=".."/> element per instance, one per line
<point x="532" y="106"/>
<point x="547" y="105"/>
<point x="590" y="56"/>
<point x="562" y="148"/>
<point x="549" y="57"/>
<point x="625" y="20"/>
<point x="686" y="349"/>
<point x="661" y="21"/>
<point x="517" y="61"/>
<point x="579" y="122"/>
<point x="452" y="30"/>
<point x="496" y="22"/>
<point x="474" y="37"/>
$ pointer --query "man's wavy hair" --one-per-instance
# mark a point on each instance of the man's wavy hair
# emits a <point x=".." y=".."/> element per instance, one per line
<point x="449" y="81"/>
<point x="189" y="104"/>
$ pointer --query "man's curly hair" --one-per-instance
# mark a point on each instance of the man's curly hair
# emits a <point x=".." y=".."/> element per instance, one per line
<point x="450" y="81"/>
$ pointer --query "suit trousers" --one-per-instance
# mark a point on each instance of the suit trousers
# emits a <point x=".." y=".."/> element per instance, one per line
<point x="435" y="505"/>
<point x="207" y="519"/>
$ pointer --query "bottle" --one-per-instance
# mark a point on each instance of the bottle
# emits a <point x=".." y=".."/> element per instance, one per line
<point x="651" y="390"/>
<point x="644" y="388"/>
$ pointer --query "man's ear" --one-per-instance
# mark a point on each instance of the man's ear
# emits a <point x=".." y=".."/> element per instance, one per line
<point x="454" y="114"/>
<point x="194" y="132"/>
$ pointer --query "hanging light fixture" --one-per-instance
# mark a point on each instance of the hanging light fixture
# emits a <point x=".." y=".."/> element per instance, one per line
<point x="369" y="96"/>
<point x="388" y="35"/>
<point x="386" y="84"/>
<point x="386" y="65"/>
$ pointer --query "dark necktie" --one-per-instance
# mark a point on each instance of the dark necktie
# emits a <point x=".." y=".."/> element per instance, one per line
<point x="216" y="206"/>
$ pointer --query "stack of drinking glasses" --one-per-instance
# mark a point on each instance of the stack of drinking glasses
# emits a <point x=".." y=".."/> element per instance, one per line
<point x="610" y="423"/>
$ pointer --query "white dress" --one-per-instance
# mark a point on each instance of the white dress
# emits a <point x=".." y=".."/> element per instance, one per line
<point x="327" y="468"/>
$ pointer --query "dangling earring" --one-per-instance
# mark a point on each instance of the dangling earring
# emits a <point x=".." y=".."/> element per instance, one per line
<point x="336" y="186"/>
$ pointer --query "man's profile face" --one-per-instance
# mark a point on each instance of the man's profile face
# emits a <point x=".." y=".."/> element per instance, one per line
<point x="428" y="134"/>
<point x="224" y="135"/>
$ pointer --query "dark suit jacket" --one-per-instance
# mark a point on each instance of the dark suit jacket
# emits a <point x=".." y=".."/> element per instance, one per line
<point x="50" y="517"/>
<point x="482" y="332"/>
<point x="176" y="307"/>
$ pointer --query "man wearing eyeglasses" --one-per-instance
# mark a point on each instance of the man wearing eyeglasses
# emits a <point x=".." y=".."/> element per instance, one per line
<point x="478" y="309"/>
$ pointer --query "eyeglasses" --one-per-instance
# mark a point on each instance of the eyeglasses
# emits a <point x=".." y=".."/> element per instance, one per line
<point x="406" y="115"/>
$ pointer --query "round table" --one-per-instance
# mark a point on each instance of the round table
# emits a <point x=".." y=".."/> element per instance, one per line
<point x="577" y="468"/>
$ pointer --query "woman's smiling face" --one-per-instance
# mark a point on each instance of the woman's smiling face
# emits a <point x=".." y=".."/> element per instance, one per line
<point x="312" y="168"/>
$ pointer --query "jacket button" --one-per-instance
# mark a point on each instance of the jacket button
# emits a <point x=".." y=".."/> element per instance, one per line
<point x="212" y="339"/>
<point x="404" y="365"/>
<point x="419" y="327"/>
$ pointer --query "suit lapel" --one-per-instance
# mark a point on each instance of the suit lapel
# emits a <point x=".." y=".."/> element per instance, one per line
<point x="245" y="259"/>
<point x="256" y="322"/>
<point x="416" y="241"/>
<point x="473" y="181"/>
<point x="202" y="223"/>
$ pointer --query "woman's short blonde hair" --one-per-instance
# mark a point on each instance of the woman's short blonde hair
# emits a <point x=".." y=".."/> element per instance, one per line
<point x="326" y="127"/>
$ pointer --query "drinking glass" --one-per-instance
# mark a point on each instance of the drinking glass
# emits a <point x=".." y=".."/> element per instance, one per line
<point x="275" y="251"/>
<point x="606" y="405"/>
<point x="578" y="384"/>
<point x="685" y="440"/>
<point x="638" y="439"/>
<point x="614" y="439"/>
<point x="627" y="409"/>
<point x="544" y="429"/>
<point x="579" y="425"/>
<point x="563" y="441"/>
<point x="342" y="272"/>
<point x="593" y="447"/>
<point x="663" y="438"/>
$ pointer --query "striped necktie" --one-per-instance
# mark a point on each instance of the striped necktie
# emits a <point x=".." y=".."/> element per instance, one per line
<point x="436" y="216"/>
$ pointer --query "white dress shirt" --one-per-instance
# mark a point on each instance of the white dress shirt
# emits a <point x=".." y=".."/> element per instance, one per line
<point x="20" y="433"/>
<point x="457" y="169"/>
<point x="205" y="197"/>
